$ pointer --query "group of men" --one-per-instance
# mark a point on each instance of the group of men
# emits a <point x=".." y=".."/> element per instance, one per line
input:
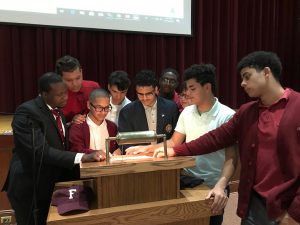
<point x="70" y="119"/>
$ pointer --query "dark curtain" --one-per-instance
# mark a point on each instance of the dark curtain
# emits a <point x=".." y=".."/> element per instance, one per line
<point x="223" y="32"/>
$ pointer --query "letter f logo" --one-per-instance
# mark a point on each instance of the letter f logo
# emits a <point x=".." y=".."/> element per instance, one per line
<point x="71" y="193"/>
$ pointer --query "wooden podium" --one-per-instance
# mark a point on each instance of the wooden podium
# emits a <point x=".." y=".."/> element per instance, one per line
<point x="138" y="191"/>
<point x="6" y="146"/>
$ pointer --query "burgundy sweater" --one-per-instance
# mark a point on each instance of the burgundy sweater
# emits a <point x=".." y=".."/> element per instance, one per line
<point x="243" y="128"/>
<point x="79" y="137"/>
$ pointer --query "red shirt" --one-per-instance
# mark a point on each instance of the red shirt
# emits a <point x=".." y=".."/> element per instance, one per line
<point x="176" y="99"/>
<point x="268" y="175"/>
<point x="76" y="103"/>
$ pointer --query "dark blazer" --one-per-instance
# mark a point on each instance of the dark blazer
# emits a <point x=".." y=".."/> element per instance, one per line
<point x="80" y="137"/>
<point x="37" y="144"/>
<point x="133" y="117"/>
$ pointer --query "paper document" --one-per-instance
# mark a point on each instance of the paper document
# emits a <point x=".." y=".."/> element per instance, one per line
<point x="113" y="158"/>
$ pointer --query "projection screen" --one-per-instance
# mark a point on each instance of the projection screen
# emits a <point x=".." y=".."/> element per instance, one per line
<point x="150" y="16"/>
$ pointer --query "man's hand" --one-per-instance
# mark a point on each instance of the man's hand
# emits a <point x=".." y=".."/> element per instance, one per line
<point x="117" y="152"/>
<point x="159" y="152"/>
<point x="95" y="156"/>
<point x="78" y="119"/>
<point x="286" y="219"/>
<point x="135" y="150"/>
<point x="217" y="199"/>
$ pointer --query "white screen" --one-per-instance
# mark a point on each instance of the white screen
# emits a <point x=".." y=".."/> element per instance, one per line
<point x="153" y="16"/>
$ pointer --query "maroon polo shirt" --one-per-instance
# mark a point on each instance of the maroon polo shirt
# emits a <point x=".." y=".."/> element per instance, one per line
<point x="267" y="163"/>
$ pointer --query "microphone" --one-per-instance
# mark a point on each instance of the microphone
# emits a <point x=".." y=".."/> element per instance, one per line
<point x="12" y="114"/>
<point x="33" y="123"/>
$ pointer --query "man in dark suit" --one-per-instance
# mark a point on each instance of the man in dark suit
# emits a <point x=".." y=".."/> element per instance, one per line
<point x="149" y="112"/>
<point x="40" y="157"/>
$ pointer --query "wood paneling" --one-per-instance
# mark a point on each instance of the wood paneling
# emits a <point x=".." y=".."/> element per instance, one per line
<point x="140" y="192"/>
<point x="6" y="145"/>
<point x="137" y="188"/>
<point x="190" y="209"/>
<point x="97" y="169"/>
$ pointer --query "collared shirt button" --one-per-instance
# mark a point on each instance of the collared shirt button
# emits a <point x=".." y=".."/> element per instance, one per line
<point x="249" y="163"/>
<point x="253" y="145"/>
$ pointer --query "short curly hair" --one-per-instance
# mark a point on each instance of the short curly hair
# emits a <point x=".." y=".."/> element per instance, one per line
<point x="261" y="59"/>
<point x="120" y="79"/>
<point x="146" y="78"/>
<point x="66" y="63"/>
<point x="203" y="74"/>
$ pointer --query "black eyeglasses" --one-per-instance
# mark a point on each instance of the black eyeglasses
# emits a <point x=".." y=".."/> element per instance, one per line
<point x="101" y="109"/>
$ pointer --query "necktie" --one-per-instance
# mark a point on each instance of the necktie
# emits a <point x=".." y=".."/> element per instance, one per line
<point x="57" y="116"/>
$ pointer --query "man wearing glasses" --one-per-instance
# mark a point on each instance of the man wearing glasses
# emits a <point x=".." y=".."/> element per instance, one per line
<point x="149" y="112"/>
<point x="91" y="134"/>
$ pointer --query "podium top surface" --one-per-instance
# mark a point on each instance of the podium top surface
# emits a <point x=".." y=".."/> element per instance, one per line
<point x="134" y="164"/>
